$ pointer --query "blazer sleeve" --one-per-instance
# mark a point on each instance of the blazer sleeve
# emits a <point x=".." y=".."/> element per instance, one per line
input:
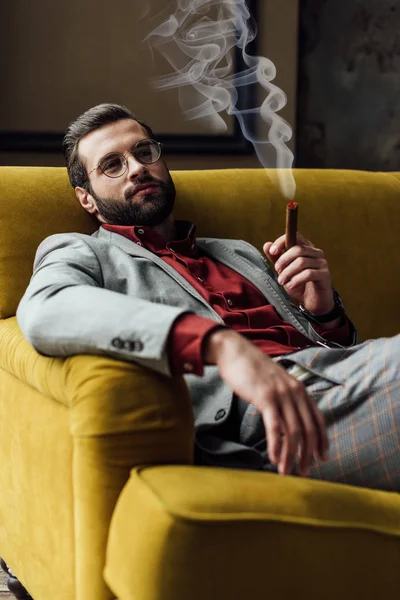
<point x="66" y="310"/>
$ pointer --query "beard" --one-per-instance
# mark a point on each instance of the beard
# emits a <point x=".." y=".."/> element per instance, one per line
<point x="149" y="210"/>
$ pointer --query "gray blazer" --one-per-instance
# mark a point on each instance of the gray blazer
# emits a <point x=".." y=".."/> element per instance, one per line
<point x="104" y="294"/>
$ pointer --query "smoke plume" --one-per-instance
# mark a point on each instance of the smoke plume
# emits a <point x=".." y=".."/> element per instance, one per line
<point x="198" y="41"/>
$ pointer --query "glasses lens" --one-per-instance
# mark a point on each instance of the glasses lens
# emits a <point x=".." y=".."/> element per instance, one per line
<point x="147" y="152"/>
<point x="113" y="165"/>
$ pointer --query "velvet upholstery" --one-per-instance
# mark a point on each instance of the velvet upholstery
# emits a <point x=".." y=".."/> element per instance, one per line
<point x="202" y="532"/>
<point x="72" y="430"/>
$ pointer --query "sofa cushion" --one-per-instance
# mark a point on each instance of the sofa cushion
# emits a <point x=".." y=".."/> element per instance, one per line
<point x="203" y="532"/>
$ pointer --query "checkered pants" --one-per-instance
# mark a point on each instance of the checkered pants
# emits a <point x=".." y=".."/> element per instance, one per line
<point x="362" y="416"/>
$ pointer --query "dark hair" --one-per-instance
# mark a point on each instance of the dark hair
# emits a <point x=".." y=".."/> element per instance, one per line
<point x="92" y="119"/>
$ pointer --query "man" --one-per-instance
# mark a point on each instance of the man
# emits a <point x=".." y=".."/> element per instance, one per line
<point x="269" y="383"/>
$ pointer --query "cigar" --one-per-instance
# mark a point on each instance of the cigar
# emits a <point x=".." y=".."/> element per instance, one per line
<point x="291" y="224"/>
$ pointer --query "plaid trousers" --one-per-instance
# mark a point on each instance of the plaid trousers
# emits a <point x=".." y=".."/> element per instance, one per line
<point x="362" y="415"/>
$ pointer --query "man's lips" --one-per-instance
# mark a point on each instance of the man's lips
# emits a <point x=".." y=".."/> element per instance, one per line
<point x="144" y="188"/>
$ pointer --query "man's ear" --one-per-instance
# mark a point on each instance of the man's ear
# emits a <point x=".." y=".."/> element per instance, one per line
<point x="85" y="200"/>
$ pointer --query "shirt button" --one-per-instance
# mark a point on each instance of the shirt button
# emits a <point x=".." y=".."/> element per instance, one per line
<point x="188" y="367"/>
<point x="139" y="243"/>
<point x="220" y="414"/>
<point x="230" y="303"/>
<point x="140" y="231"/>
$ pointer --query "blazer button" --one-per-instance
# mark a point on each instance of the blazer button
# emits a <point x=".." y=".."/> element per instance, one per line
<point x="117" y="343"/>
<point x="220" y="414"/>
<point x="129" y="346"/>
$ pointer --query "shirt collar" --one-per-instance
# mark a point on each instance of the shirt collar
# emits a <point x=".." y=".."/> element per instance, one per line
<point x="185" y="242"/>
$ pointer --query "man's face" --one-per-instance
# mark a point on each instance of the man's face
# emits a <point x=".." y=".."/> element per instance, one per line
<point x="118" y="201"/>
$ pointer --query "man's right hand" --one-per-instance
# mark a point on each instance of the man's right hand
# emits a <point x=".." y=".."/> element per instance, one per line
<point x="293" y="423"/>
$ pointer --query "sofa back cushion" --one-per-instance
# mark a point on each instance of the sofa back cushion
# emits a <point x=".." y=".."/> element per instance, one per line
<point x="353" y="215"/>
<point x="35" y="202"/>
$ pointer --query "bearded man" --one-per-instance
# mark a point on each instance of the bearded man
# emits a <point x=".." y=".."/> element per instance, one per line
<point x="273" y="386"/>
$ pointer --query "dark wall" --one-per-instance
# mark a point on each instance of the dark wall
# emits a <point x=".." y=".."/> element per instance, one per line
<point x="52" y="68"/>
<point x="349" y="84"/>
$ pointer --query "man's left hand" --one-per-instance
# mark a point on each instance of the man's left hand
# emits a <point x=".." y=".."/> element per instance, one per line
<point x="304" y="273"/>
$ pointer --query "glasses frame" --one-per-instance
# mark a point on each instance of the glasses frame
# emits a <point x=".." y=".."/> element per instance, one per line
<point x="123" y="154"/>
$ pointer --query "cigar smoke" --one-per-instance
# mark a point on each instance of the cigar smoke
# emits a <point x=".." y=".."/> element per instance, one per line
<point x="199" y="48"/>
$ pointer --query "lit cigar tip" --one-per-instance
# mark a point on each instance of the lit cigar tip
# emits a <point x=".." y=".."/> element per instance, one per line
<point x="292" y="205"/>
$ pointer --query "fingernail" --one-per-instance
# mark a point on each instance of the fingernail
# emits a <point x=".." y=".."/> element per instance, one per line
<point x="273" y="249"/>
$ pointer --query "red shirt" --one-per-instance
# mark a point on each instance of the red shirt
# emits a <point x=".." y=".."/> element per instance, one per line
<point x="238" y="302"/>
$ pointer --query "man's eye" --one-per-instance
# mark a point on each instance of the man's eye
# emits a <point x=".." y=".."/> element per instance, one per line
<point x="143" y="153"/>
<point x="112" y="165"/>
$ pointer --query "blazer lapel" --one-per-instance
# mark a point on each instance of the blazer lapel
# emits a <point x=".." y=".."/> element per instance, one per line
<point x="258" y="275"/>
<point x="135" y="250"/>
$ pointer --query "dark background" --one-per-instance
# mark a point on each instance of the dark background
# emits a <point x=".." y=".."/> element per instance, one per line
<point x="348" y="110"/>
<point x="337" y="60"/>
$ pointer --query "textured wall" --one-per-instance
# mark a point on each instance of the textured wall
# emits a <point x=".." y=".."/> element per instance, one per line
<point x="349" y="84"/>
<point x="277" y="39"/>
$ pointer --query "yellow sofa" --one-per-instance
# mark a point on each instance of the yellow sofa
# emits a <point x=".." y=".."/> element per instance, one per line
<point x="96" y="478"/>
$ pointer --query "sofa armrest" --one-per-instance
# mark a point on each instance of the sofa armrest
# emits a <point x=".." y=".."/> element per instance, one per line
<point x="120" y="416"/>
<point x="107" y="397"/>
<point x="254" y="532"/>
<point x="114" y="398"/>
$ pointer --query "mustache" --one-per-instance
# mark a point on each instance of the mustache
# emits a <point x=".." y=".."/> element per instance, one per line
<point x="130" y="192"/>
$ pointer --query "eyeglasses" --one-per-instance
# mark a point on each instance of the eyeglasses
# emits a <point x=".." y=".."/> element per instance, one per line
<point x="115" y="164"/>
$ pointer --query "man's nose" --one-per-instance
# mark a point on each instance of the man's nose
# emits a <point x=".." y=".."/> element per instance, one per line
<point x="135" y="167"/>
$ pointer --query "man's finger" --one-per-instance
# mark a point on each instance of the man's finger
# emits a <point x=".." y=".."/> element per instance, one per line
<point x="323" y="439"/>
<point x="278" y="247"/>
<point x="267" y="251"/>
<point x="298" y="266"/>
<point x="273" y="430"/>
<point x="296" y="253"/>
<point x="312" y="434"/>
<point x="293" y="434"/>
